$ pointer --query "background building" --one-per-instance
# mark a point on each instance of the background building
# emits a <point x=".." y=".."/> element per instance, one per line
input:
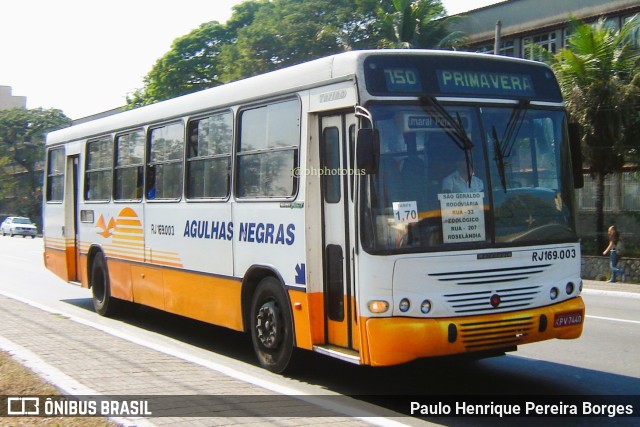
<point x="544" y="23"/>
<point x="7" y="100"/>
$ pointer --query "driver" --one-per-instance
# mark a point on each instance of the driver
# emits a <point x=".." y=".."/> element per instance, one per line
<point x="458" y="181"/>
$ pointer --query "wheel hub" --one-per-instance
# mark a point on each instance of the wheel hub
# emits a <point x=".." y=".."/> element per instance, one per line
<point x="267" y="325"/>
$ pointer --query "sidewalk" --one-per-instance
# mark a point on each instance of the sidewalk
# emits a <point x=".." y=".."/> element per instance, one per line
<point x="82" y="360"/>
<point x="614" y="287"/>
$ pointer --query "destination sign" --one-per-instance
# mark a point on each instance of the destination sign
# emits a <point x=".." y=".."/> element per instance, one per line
<point x="402" y="80"/>
<point x="479" y="76"/>
<point x="480" y="82"/>
<point x="423" y="122"/>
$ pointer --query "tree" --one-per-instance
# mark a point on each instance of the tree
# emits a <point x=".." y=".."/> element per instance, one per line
<point x="22" y="134"/>
<point x="7" y="181"/>
<point x="288" y="32"/>
<point x="189" y="66"/>
<point x="260" y="36"/>
<point x="598" y="74"/>
<point x="265" y="35"/>
<point x="411" y="24"/>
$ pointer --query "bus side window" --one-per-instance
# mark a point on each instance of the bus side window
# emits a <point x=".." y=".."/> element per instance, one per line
<point x="164" y="168"/>
<point x="129" y="165"/>
<point x="268" y="150"/>
<point x="209" y="156"/>
<point x="55" y="175"/>
<point x="98" y="169"/>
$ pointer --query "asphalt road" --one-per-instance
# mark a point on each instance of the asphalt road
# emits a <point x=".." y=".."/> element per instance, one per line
<point x="604" y="361"/>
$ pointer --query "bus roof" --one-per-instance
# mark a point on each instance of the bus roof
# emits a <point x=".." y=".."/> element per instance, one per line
<point x="339" y="67"/>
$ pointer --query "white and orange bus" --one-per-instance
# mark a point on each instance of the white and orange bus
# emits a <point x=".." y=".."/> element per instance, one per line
<point x="374" y="206"/>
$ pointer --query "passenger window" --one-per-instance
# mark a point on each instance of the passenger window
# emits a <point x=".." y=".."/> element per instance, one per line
<point x="98" y="173"/>
<point x="164" y="169"/>
<point x="268" y="150"/>
<point x="209" y="156"/>
<point x="55" y="175"/>
<point x="129" y="166"/>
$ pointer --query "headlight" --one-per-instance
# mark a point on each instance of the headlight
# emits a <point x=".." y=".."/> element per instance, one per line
<point x="570" y="288"/>
<point x="425" y="307"/>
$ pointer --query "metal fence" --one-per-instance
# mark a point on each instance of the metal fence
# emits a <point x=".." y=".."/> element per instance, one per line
<point x="621" y="193"/>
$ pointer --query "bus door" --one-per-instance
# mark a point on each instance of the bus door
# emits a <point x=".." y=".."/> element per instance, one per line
<point x="337" y="210"/>
<point x="71" y="218"/>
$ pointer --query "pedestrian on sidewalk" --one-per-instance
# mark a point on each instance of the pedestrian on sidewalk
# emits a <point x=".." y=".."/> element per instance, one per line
<point x="614" y="254"/>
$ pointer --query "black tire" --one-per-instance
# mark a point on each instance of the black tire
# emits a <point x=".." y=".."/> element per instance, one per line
<point x="272" y="326"/>
<point x="103" y="303"/>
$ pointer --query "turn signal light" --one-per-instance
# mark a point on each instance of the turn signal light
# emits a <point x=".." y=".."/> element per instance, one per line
<point x="378" y="306"/>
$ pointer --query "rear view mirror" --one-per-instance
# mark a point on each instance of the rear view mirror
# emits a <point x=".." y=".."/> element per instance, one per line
<point x="368" y="150"/>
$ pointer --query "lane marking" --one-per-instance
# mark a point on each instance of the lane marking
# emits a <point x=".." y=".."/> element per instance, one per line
<point x="619" y="294"/>
<point x="613" y="319"/>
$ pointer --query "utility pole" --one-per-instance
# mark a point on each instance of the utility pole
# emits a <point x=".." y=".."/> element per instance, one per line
<point x="497" y="43"/>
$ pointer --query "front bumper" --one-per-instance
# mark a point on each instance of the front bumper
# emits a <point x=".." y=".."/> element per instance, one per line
<point x="396" y="340"/>
<point x="24" y="232"/>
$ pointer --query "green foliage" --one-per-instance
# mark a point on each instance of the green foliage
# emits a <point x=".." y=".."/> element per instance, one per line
<point x="288" y="32"/>
<point x="264" y="35"/>
<point x="190" y="65"/>
<point x="22" y="135"/>
<point x="598" y="74"/>
<point x="7" y="181"/>
<point x="410" y="24"/>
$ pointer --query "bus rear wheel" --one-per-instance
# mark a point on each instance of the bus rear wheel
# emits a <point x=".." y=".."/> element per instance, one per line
<point x="103" y="303"/>
<point x="271" y="326"/>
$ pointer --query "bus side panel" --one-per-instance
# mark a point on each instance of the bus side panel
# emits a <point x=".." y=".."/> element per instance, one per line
<point x="207" y="298"/>
<point x="310" y="321"/>
<point x="83" y="271"/>
<point x="55" y="257"/>
<point x="307" y="317"/>
<point x="271" y="235"/>
<point x="120" y="279"/>
<point x="148" y="286"/>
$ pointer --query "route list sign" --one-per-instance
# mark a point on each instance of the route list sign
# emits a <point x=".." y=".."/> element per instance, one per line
<point x="462" y="217"/>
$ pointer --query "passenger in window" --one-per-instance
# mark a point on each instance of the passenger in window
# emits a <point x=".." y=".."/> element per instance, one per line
<point x="193" y="141"/>
<point x="459" y="180"/>
<point x="151" y="183"/>
<point x="139" y="183"/>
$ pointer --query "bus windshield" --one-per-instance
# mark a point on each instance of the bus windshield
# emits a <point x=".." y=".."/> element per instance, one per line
<point x="455" y="177"/>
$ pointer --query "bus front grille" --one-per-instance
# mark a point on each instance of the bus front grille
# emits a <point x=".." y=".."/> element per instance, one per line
<point x="492" y="301"/>
<point x="491" y="276"/>
<point x="495" y="334"/>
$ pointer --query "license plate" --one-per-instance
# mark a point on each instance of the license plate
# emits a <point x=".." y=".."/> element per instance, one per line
<point x="567" y="319"/>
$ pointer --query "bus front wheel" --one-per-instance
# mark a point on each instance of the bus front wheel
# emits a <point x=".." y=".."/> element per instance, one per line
<point x="100" y="289"/>
<point x="271" y="326"/>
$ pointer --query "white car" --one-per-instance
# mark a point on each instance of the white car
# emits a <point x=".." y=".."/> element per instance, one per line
<point x="17" y="225"/>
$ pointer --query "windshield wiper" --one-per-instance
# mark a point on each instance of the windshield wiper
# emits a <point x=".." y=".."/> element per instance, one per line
<point x="499" y="158"/>
<point x="513" y="127"/>
<point x="452" y="127"/>
<point x="504" y="147"/>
